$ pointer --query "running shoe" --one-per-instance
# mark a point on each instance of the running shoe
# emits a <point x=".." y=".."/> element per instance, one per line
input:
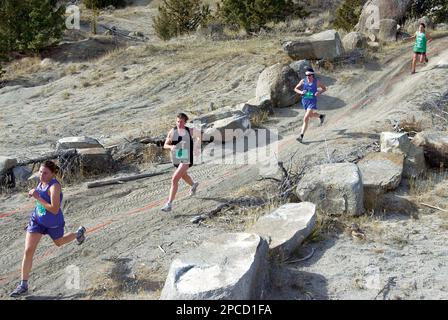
<point x="193" y="189"/>
<point x="166" y="208"/>
<point x="322" y="119"/>
<point x="80" y="235"/>
<point x="20" y="290"/>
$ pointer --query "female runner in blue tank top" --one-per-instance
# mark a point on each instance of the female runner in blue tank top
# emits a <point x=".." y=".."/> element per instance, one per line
<point x="46" y="218"/>
<point x="309" y="99"/>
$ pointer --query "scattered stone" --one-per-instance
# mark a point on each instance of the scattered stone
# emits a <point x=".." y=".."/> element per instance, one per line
<point x="435" y="147"/>
<point x="6" y="164"/>
<point x="77" y="143"/>
<point x="324" y="45"/>
<point x="376" y="10"/>
<point x="394" y="142"/>
<point x="388" y="30"/>
<point x="21" y="174"/>
<point x="227" y="129"/>
<point x="414" y="163"/>
<point x="95" y="161"/>
<point x="229" y="266"/>
<point x="381" y="172"/>
<point x="276" y="83"/>
<point x="300" y="67"/>
<point x="353" y="41"/>
<point x="336" y="189"/>
<point x="286" y="228"/>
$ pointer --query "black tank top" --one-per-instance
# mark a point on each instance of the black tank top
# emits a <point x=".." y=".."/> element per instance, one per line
<point x="187" y="146"/>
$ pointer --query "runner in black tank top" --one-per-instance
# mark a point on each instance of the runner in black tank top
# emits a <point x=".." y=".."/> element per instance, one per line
<point x="180" y="142"/>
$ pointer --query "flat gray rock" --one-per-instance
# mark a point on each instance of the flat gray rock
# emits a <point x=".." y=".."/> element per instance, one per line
<point x="435" y="147"/>
<point x="335" y="188"/>
<point x="286" y="227"/>
<point x="6" y="163"/>
<point x="77" y="143"/>
<point x="230" y="266"/>
<point x="323" y="45"/>
<point x="381" y="172"/>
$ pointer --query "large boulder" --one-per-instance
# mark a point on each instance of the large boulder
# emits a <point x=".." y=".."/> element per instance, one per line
<point x="336" y="189"/>
<point x="381" y="172"/>
<point x="286" y="227"/>
<point x="376" y="10"/>
<point x="77" y="143"/>
<point x="21" y="174"/>
<point x="225" y="130"/>
<point x="414" y="161"/>
<point x="353" y="41"/>
<point x="300" y="67"/>
<point x="254" y="107"/>
<point x="229" y="266"/>
<point x="276" y="83"/>
<point x="95" y="161"/>
<point x="394" y="142"/>
<point x="435" y="147"/>
<point x="388" y="30"/>
<point x="6" y="163"/>
<point x="324" y="45"/>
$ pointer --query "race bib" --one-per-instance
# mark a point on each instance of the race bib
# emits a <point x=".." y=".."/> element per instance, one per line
<point x="40" y="209"/>
<point x="308" y="95"/>
<point x="182" y="154"/>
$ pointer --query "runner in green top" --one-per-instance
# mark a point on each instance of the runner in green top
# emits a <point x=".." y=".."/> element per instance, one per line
<point x="421" y="40"/>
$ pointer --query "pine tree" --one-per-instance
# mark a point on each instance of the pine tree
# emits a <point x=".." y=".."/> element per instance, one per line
<point x="30" y="25"/>
<point x="255" y="14"/>
<point x="91" y="4"/>
<point x="348" y="13"/>
<point x="177" y="17"/>
<point x="436" y="9"/>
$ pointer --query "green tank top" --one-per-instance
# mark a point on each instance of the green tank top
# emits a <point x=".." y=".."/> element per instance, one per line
<point x="420" y="42"/>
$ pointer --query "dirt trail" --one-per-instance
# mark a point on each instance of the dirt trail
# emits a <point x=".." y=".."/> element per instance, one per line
<point x="126" y="226"/>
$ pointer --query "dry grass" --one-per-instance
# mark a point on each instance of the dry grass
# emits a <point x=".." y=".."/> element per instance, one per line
<point x="71" y="69"/>
<point x="117" y="281"/>
<point x="429" y="187"/>
<point x="23" y="67"/>
<point x="327" y="226"/>
<point x="259" y="118"/>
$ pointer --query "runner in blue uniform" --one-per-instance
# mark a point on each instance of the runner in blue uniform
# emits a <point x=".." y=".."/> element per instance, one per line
<point x="180" y="142"/>
<point x="46" y="218"/>
<point x="309" y="99"/>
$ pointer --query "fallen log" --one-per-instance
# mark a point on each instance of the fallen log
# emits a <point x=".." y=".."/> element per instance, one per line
<point x="433" y="207"/>
<point x="122" y="179"/>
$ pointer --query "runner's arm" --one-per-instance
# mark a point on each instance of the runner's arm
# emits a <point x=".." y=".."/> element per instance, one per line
<point x="55" y="193"/>
<point x="297" y="88"/>
<point x="322" y="86"/>
<point x="169" y="141"/>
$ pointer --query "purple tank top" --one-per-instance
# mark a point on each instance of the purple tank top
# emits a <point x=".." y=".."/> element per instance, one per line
<point x="311" y="89"/>
<point x="42" y="215"/>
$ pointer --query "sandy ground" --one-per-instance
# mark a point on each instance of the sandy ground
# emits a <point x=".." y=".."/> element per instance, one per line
<point x="131" y="243"/>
